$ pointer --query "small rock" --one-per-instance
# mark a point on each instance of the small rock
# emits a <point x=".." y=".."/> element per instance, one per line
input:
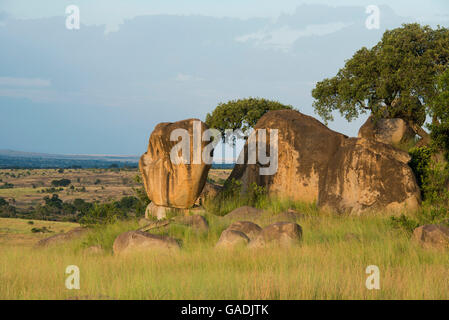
<point x="432" y="235"/>
<point x="63" y="237"/>
<point x="230" y="239"/>
<point x="196" y="221"/>
<point x="289" y="215"/>
<point x="245" y="213"/>
<point x="141" y="241"/>
<point x="250" y="229"/>
<point x="284" y="234"/>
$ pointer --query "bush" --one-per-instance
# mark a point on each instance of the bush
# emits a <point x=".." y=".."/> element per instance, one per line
<point x="61" y="183"/>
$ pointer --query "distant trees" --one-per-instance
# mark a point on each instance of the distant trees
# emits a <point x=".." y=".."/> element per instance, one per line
<point x="61" y="183"/>
<point x="397" y="78"/>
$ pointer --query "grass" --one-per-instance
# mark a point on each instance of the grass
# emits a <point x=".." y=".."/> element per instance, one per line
<point x="327" y="265"/>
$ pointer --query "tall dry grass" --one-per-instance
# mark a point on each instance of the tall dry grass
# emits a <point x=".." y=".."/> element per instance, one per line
<point x="328" y="264"/>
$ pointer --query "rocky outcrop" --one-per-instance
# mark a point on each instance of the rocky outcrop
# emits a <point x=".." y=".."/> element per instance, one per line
<point x="169" y="184"/>
<point x="284" y="234"/>
<point x="305" y="148"/>
<point x="369" y="175"/>
<point x="137" y="241"/>
<point x="390" y="131"/>
<point x="432" y="235"/>
<point x="316" y="164"/>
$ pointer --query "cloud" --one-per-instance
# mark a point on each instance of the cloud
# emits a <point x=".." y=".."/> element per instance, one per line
<point x="24" y="82"/>
<point x="284" y="37"/>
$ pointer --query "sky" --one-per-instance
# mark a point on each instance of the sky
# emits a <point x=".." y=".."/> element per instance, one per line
<point x="132" y="64"/>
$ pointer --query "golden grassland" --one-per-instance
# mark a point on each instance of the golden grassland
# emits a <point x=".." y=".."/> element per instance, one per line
<point x="329" y="263"/>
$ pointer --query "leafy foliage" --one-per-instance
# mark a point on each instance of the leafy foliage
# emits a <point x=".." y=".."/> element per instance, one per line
<point x="241" y="114"/>
<point x="394" y="79"/>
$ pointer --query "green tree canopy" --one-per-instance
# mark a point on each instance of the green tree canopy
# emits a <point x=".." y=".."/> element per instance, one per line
<point x="241" y="114"/>
<point x="440" y="113"/>
<point x="394" y="79"/>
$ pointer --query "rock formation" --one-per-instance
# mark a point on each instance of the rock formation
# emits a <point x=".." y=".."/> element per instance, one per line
<point x="168" y="184"/>
<point x="365" y="174"/>
<point x="316" y="164"/>
<point x="390" y="131"/>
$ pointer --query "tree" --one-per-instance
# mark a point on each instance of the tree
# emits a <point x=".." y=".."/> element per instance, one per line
<point x="440" y="113"/>
<point x="394" y="79"/>
<point x="241" y="114"/>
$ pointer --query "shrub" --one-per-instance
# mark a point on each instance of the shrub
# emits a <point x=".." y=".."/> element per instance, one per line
<point x="61" y="183"/>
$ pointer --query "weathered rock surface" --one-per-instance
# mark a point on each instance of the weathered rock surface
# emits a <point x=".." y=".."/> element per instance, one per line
<point x="160" y="212"/>
<point x="284" y="234"/>
<point x="432" y="235"/>
<point x="133" y="241"/>
<point x="390" y="131"/>
<point x="63" y="237"/>
<point x="168" y="184"/>
<point x="230" y="239"/>
<point x="245" y="213"/>
<point x="316" y="164"/>
<point x="305" y="148"/>
<point x="195" y="221"/>
<point x="289" y="215"/>
<point x="210" y="191"/>
<point x="369" y="175"/>
<point x="250" y="229"/>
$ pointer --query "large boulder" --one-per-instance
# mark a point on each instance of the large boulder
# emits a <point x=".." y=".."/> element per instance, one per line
<point x="169" y="184"/>
<point x="136" y="241"/>
<point x="284" y="234"/>
<point x="305" y="148"/>
<point x="432" y="235"/>
<point x="369" y="175"/>
<point x="316" y="164"/>
<point x="390" y="131"/>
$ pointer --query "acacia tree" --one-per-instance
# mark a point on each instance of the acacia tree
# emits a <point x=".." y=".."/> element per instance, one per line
<point x="394" y="79"/>
<point x="241" y="114"/>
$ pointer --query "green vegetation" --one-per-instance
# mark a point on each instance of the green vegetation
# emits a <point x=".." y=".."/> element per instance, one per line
<point x="61" y="183"/>
<point x="397" y="78"/>
<point x="241" y="114"/>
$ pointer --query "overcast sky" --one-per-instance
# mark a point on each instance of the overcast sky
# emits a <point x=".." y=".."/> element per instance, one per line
<point x="133" y="64"/>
